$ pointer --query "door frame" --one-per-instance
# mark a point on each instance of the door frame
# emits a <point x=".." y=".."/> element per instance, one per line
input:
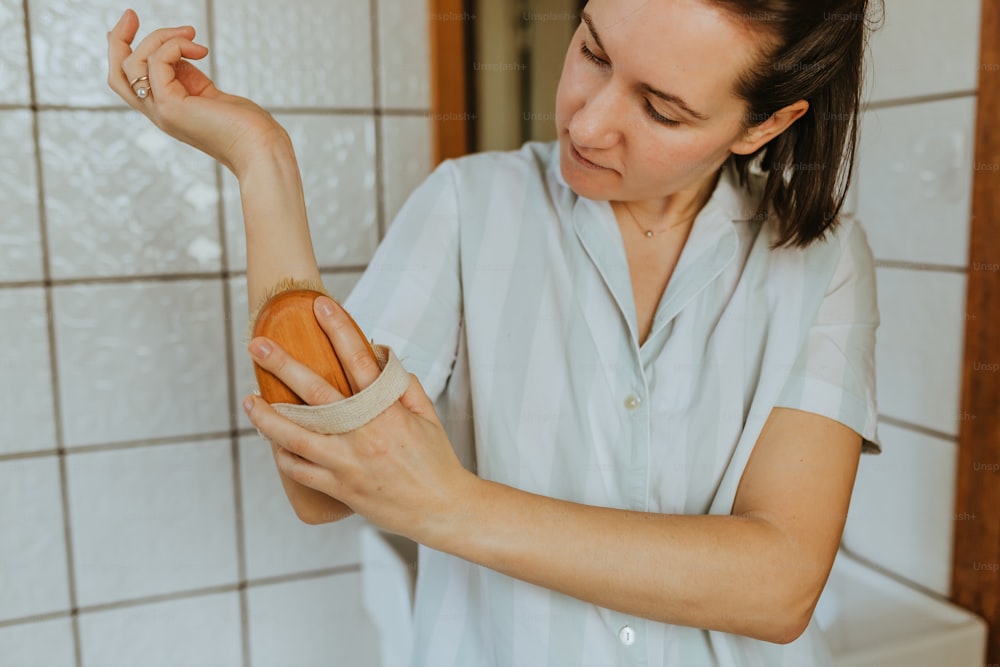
<point x="452" y="109"/>
<point x="975" y="579"/>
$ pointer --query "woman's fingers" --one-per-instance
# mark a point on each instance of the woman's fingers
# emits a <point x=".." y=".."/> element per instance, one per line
<point x="119" y="48"/>
<point x="161" y="66"/>
<point x="285" y="433"/>
<point x="126" y="65"/>
<point x="306" y="384"/>
<point x="135" y="63"/>
<point x="350" y="345"/>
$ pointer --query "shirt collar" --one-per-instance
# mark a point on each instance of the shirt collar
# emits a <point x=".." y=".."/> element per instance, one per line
<point x="713" y="243"/>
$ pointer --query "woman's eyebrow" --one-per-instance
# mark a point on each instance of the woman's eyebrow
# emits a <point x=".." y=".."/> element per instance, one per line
<point x="666" y="97"/>
<point x="590" y="25"/>
<point x="673" y="99"/>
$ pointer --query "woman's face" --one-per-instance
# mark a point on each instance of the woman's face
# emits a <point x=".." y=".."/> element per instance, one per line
<point x="609" y="108"/>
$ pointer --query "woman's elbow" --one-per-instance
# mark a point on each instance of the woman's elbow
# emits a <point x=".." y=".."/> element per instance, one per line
<point x="780" y="626"/>
<point x="797" y="613"/>
<point x="782" y="610"/>
<point x="790" y="631"/>
<point x="314" y="518"/>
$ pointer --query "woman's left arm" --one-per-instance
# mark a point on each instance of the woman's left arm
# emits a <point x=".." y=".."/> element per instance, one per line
<point x="757" y="572"/>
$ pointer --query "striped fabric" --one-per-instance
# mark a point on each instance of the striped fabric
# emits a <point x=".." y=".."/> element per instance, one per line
<point x="509" y="297"/>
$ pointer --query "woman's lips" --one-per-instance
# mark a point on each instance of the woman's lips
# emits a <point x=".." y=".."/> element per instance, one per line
<point x="584" y="162"/>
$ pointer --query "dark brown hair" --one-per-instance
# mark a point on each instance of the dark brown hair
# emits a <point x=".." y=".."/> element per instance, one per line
<point x="811" y="50"/>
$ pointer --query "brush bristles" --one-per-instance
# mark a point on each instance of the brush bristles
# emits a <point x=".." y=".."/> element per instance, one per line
<point x="283" y="285"/>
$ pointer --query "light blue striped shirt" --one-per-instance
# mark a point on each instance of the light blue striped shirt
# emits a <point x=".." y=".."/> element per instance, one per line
<point x="510" y="298"/>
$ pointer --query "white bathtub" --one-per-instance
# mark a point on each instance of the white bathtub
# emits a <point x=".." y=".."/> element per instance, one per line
<point x="872" y="620"/>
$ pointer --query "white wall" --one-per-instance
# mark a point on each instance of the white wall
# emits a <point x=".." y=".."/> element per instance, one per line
<point x="141" y="516"/>
<point x="913" y="196"/>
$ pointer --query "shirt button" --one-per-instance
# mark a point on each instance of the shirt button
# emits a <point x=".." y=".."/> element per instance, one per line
<point x="632" y="402"/>
<point x="626" y="635"/>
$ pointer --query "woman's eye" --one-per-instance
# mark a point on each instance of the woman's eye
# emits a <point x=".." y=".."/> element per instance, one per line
<point x="659" y="118"/>
<point x="604" y="64"/>
<point x="589" y="55"/>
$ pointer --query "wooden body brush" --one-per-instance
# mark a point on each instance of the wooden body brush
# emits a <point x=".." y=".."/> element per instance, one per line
<point x="288" y="319"/>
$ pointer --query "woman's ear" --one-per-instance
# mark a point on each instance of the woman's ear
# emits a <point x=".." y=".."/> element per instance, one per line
<point x="760" y="134"/>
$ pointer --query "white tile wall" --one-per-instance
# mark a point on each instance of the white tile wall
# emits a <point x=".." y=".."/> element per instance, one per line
<point x="26" y="409"/>
<point x="283" y="624"/>
<point x="203" y="630"/>
<point x="277" y="543"/>
<point x="403" y="28"/>
<point x="20" y="232"/>
<point x="129" y="247"/>
<point x="123" y="198"/>
<point x="915" y="182"/>
<point x="14" y="79"/>
<point x="925" y="48"/>
<point x="406" y="159"/>
<point x="38" y="644"/>
<point x="152" y="520"/>
<point x="69" y="48"/>
<point x="336" y="156"/>
<point x="260" y="52"/>
<point x="919" y="346"/>
<point x="33" y="547"/>
<point x="913" y="196"/>
<point x="141" y="360"/>
<point x="902" y="510"/>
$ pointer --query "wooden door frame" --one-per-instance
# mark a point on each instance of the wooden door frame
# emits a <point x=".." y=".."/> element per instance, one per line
<point x="975" y="579"/>
<point x="452" y="111"/>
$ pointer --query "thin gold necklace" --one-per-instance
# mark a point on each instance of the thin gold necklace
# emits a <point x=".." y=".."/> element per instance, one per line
<point x="649" y="233"/>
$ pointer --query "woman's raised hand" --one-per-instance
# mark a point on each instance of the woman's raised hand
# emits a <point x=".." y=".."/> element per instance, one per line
<point x="181" y="100"/>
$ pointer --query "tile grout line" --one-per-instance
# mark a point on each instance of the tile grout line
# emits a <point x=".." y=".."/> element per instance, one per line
<point x="376" y="45"/>
<point x="919" y="428"/>
<point x="293" y="110"/>
<point x="918" y="99"/>
<point x="356" y="268"/>
<point x="43" y="230"/>
<point x="144" y="443"/>
<point x="271" y="580"/>
<point x="228" y="316"/>
<point x="919" y="266"/>
<point x="155" y="277"/>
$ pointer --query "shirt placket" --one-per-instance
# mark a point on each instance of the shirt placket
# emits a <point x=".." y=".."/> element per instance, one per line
<point x="631" y="632"/>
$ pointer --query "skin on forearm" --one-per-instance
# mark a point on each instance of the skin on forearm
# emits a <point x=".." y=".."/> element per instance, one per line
<point x="719" y="572"/>
<point x="279" y="246"/>
<point x="279" y="249"/>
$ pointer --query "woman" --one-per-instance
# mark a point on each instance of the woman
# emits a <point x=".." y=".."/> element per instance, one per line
<point x="661" y="355"/>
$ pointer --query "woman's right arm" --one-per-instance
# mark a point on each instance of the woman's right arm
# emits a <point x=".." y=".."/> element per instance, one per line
<point x="278" y="247"/>
<point x="246" y="139"/>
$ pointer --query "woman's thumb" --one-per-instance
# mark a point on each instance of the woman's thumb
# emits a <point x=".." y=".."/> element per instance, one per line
<point x="416" y="400"/>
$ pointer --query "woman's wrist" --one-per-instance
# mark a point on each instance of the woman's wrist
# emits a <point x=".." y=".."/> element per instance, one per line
<point x="271" y="183"/>
<point x="271" y="150"/>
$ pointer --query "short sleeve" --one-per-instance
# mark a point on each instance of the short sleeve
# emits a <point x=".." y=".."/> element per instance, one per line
<point x="834" y="372"/>
<point x="410" y="296"/>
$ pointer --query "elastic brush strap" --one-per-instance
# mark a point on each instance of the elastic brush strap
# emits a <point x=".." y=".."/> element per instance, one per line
<point x="354" y="411"/>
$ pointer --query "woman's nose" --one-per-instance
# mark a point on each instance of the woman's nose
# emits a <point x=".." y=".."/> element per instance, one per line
<point x="598" y="123"/>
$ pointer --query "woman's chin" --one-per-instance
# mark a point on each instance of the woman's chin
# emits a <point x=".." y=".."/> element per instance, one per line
<point x="590" y="184"/>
